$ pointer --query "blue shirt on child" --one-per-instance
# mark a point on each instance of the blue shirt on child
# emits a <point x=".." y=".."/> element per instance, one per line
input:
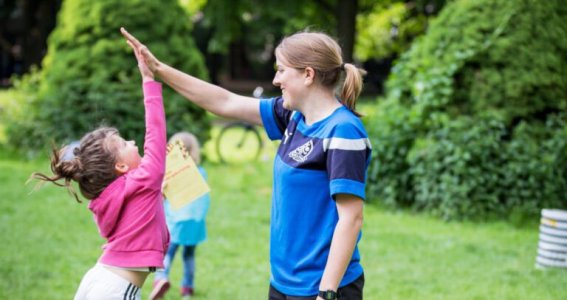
<point x="187" y="225"/>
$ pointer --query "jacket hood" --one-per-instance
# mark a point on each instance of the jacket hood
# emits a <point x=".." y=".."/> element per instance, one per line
<point x="107" y="206"/>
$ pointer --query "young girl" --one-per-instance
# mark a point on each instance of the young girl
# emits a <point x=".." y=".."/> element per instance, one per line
<point x="124" y="190"/>
<point x="319" y="169"/>
<point x="187" y="227"/>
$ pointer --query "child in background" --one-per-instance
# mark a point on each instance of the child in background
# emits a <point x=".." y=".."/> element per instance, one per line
<point x="187" y="228"/>
<point x="124" y="190"/>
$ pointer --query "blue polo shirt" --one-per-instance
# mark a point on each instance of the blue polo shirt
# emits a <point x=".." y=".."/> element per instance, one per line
<point x="313" y="164"/>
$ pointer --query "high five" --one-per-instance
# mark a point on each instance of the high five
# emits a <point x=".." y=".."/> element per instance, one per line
<point x="320" y="167"/>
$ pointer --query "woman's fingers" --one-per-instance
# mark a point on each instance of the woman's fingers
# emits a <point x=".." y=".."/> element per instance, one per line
<point x="148" y="57"/>
<point x="142" y="52"/>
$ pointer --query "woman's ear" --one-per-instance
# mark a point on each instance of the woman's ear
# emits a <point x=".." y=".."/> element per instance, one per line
<point x="121" y="168"/>
<point x="309" y="74"/>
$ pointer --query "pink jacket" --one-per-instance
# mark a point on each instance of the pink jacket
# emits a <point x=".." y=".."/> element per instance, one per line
<point x="129" y="212"/>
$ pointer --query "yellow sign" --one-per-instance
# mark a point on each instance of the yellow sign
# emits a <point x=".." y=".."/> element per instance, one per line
<point x="182" y="183"/>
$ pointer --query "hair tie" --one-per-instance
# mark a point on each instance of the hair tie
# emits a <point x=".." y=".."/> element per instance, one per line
<point x="71" y="151"/>
<point x="342" y="67"/>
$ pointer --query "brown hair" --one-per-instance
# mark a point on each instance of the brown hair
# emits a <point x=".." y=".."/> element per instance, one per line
<point x="191" y="144"/>
<point x="91" y="164"/>
<point x="322" y="53"/>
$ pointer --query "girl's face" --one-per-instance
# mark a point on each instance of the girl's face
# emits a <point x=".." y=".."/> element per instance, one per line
<point x="292" y="83"/>
<point x="128" y="157"/>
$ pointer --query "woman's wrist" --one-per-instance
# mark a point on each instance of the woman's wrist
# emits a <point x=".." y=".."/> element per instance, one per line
<point x="154" y="66"/>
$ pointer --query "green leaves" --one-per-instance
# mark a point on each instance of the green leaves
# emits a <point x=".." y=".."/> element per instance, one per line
<point x="474" y="121"/>
<point x="90" y="76"/>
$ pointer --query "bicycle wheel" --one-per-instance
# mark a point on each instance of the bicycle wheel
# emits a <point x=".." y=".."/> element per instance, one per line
<point x="238" y="143"/>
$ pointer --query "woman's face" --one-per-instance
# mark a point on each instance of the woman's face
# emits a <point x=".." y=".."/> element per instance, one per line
<point x="292" y="83"/>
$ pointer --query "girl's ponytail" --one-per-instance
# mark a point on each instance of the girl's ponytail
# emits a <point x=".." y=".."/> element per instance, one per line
<point x="352" y="86"/>
<point x="68" y="170"/>
<point x="91" y="163"/>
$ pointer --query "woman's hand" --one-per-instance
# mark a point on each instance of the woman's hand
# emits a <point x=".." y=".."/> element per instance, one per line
<point x="147" y="62"/>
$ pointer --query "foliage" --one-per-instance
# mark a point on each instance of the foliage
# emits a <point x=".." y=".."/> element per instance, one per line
<point x="456" y="169"/>
<point x="393" y="129"/>
<point x="192" y="7"/>
<point x="387" y="31"/>
<point x="90" y="76"/>
<point x="489" y="83"/>
<point x="536" y="166"/>
<point x="267" y="20"/>
<point x="470" y="61"/>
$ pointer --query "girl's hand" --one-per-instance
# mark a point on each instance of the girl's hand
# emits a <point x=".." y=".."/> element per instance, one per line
<point x="147" y="62"/>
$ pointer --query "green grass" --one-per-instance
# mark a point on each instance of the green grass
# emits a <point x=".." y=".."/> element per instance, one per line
<point x="49" y="242"/>
<point x="8" y="98"/>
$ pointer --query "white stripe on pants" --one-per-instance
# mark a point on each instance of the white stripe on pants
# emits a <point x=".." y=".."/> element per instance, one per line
<point x="101" y="284"/>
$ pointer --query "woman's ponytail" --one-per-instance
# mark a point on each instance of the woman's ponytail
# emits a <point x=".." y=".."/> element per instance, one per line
<point x="352" y="86"/>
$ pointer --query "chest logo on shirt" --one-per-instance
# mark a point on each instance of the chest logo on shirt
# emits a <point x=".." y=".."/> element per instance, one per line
<point x="301" y="153"/>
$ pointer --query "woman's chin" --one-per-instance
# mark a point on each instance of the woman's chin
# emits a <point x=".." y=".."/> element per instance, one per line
<point x="286" y="104"/>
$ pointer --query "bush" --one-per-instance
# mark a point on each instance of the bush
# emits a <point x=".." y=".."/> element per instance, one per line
<point x="457" y="169"/>
<point x="486" y="89"/>
<point x="393" y="130"/>
<point x="535" y="175"/>
<point x="483" y="55"/>
<point x="89" y="75"/>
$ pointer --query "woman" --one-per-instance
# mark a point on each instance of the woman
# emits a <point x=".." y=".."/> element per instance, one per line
<point x="320" y="169"/>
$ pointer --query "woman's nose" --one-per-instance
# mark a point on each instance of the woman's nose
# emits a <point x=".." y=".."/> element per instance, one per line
<point x="276" y="81"/>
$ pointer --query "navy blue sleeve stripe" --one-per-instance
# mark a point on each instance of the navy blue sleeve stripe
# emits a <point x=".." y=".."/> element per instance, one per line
<point x="347" y="164"/>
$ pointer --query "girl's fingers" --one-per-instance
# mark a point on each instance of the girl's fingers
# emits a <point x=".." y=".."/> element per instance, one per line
<point x="136" y="51"/>
<point x="131" y="46"/>
<point x="130" y="37"/>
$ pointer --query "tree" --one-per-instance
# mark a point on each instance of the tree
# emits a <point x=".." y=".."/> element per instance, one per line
<point x="250" y="29"/>
<point x="89" y="75"/>
<point x="24" y="27"/>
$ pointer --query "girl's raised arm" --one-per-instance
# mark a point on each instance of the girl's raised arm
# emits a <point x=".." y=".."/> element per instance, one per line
<point x="152" y="167"/>
<point x="208" y="96"/>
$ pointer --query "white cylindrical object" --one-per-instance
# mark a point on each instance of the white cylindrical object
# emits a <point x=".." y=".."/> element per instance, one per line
<point x="544" y="262"/>
<point x="555" y="214"/>
<point x="552" y="246"/>
<point x="552" y="231"/>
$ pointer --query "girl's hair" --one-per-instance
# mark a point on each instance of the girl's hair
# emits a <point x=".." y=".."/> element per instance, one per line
<point x="322" y="53"/>
<point x="91" y="164"/>
<point x="191" y="144"/>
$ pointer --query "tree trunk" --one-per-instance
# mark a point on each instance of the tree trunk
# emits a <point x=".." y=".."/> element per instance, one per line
<point x="346" y="22"/>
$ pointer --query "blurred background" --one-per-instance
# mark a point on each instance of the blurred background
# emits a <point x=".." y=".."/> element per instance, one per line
<point x="237" y="37"/>
<point x="465" y="103"/>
